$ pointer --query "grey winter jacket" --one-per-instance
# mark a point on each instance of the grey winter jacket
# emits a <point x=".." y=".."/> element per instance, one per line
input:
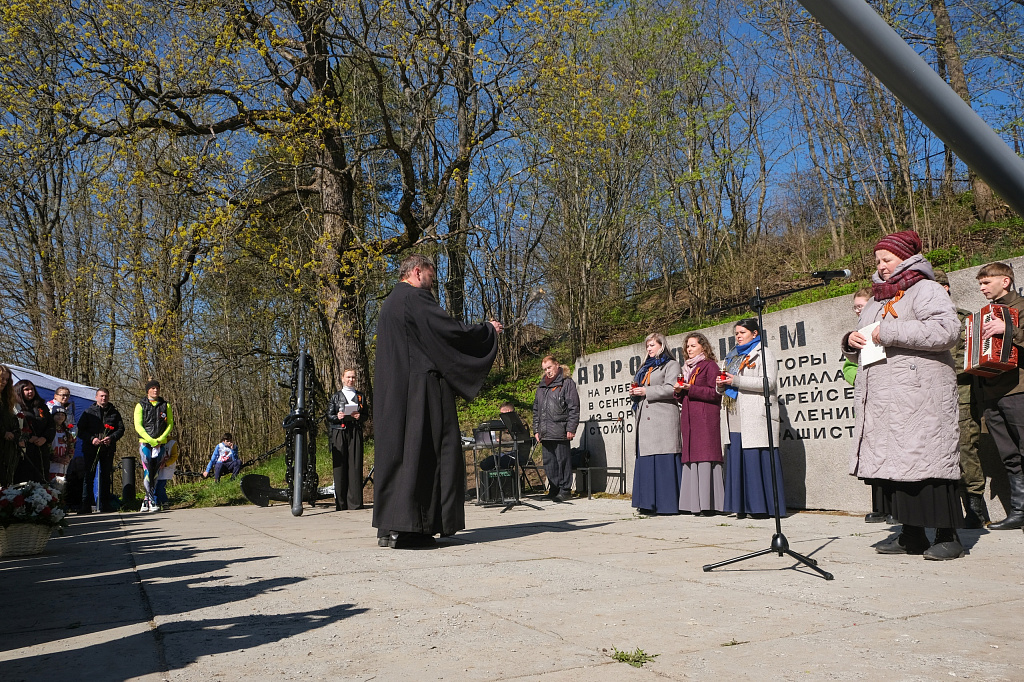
<point x="657" y="416"/>
<point x="556" y="408"/>
<point x="907" y="413"/>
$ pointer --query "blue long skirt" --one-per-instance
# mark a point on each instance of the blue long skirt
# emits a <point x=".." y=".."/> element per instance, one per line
<point x="748" y="479"/>
<point x="656" y="483"/>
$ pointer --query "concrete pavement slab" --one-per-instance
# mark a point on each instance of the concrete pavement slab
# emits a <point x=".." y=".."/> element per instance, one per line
<point x="529" y="594"/>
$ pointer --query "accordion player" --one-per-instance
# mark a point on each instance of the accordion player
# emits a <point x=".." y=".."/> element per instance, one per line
<point x="996" y="354"/>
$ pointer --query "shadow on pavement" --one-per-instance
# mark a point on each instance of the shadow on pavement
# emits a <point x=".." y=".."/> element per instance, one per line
<point x="83" y="603"/>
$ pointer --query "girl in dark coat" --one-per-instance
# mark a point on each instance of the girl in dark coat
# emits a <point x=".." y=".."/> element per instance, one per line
<point x="9" y="429"/>
<point x="37" y="432"/>
<point x="701" y="490"/>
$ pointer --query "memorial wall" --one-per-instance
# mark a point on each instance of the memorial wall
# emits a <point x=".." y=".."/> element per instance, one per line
<point x="814" y="401"/>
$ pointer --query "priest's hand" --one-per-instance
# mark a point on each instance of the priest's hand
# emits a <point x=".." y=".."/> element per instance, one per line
<point x="498" y="326"/>
<point x="570" y="435"/>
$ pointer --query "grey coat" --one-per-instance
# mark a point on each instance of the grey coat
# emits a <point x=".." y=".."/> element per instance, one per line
<point x="906" y="405"/>
<point x="657" y="415"/>
<point x="746" y="416"/>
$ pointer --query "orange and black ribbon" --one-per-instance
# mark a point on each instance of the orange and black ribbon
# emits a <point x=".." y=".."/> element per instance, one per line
<point x="889" y="309"/>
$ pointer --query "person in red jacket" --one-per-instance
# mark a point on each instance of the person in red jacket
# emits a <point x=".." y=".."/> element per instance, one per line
<point x="701" y="490"/>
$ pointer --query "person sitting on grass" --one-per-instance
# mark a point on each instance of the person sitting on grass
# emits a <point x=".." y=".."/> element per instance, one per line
<point x="225" y="458"/>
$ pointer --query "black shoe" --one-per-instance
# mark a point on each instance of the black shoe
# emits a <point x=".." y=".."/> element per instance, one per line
<point x="740" y="516"/>
<point x="891" y="520"/>
<point x="383" y="540"/>
<point x="1013" y="521"/>
<point x="644" y="512"/>
<point x="84" y="510"/>
<point x="911" y="541"/>
<point x="562" y="497"/>
<point x="410" y="540"/>
<point x="874" y="517"/>
<point x="944" y="551"/>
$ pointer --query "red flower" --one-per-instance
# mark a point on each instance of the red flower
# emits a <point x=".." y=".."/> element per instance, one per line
<point x="19" y="501"/>
<point x="108" y="427"/>
<point x="21" y="415"/>
<point x="45" y="511"/>
<point x="5" y="503"/>
<point x="26" y="429"/>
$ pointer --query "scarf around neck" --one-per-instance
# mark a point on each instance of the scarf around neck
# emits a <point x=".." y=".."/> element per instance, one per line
<point x="902" y="280"/>
<point x="690" y="365"/>
<point x="734" y="361"/>
<point x="641" y="378"/>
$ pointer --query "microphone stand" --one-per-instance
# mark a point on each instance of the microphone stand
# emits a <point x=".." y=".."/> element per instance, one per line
<point x="779" y="544"/>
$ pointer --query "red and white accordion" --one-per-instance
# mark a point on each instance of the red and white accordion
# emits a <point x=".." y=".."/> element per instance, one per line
<point x="996" y="354"/>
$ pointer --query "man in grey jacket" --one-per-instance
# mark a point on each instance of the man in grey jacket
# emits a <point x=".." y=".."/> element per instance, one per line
<point x="556" y="416"/>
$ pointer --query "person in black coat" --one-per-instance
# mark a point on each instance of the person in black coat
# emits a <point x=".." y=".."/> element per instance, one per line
<point x="424" y="359"/>
<point x="37" y="432"/>
<point x="346" y="438"/>
<point x="556" y="416"/>
<point x="99" y="428"/>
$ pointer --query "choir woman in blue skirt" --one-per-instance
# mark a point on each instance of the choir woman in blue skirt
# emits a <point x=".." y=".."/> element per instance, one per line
<point x="657" y="469"/>
<point x="748" y="476"/>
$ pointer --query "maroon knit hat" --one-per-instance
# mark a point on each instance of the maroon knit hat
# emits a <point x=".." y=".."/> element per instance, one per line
<point x="903" y="244"/>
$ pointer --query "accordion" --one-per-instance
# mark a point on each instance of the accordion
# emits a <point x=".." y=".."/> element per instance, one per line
<point x="996" y="354"/>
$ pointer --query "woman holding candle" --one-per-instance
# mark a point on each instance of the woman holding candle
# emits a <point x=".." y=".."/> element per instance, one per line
<point x="748" y="462"/>
<point x="701" y="490"/>
<point x="658" y="468"/>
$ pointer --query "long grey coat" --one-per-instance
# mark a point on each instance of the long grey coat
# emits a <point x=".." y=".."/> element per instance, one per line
<point x="657" y="417"/>
<point x="907" y="413"/>
<point x="746" y="417"/>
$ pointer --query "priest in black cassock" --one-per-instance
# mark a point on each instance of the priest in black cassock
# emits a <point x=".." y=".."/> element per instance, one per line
<point x="424" y="359"/>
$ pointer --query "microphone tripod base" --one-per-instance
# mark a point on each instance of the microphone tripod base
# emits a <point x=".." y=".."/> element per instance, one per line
<point x="780" y="546"/>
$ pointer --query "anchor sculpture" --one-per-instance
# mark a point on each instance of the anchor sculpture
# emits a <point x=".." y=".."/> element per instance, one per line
<point x="300" y="429"/>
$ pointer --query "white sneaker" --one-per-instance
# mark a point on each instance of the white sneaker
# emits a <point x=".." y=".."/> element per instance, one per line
<point x="147" y="506"/>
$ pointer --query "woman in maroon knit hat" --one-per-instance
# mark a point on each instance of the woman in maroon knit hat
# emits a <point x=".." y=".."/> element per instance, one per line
<point x="906" y="438"/>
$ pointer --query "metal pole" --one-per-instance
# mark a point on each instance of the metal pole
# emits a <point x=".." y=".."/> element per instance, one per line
<point x="879" y="48"/>
<point x="300" y="436"/>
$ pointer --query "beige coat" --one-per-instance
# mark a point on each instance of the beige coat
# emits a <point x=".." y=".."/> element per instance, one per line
<point x="906" y="405"/>
<point x="657" y="417"/>
<point x="746" y="416"/>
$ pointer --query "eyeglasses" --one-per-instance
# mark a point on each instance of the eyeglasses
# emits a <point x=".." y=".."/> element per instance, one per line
<point x="859" y="308"/>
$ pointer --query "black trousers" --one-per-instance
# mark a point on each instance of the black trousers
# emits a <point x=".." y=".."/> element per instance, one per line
<point x="557" y="465"/>
<point x="1005" y="420"/>
<point x="103" y="458"/>
<point x="347" y="461"/>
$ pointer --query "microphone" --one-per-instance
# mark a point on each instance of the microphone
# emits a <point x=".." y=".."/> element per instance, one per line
<point x="831" y="274"/>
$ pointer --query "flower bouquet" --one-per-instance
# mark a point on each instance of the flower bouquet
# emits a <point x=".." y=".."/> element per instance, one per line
<point x="28" y="514"/>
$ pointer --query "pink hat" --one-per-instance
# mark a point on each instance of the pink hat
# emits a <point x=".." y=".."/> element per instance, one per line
<point x="902" y="244"/>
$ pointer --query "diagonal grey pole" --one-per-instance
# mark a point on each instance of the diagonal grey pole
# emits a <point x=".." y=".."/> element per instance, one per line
<point x="879" y="48"/>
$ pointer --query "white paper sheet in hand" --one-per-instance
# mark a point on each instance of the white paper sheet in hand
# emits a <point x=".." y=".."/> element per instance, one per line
<point x="872" y="352"/>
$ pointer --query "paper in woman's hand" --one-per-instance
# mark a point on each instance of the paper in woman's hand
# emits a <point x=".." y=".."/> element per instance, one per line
<point x="351" y="409"/>
<point x="871" y="352"/>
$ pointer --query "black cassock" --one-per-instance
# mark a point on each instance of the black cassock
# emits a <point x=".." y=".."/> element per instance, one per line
<point x="424" y="359"/>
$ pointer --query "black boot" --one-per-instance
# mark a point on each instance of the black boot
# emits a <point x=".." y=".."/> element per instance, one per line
<point x="874" y="517"/>
<point x="975" y="511"/>
<point x="1015" y="519"/>
<point x="947" y="546"/>
<point x="911" y="540"/>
